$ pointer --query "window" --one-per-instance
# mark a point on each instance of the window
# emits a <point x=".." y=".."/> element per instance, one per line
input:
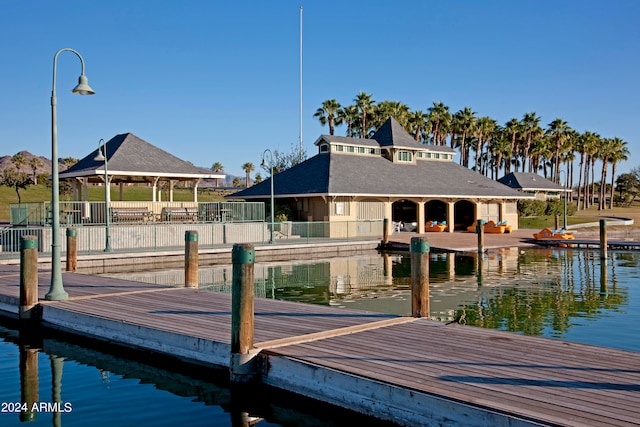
<point x="361" y="150"/>
<point x="339" y="147"/>
<point x="324" y="148"/>
<point x="351" y="149"/>
<point x="404" y="156"/>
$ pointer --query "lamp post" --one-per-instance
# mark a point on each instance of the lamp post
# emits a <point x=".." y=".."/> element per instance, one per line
<point x="264" y="164"/>
<point x="564" y="223"/>
<point x="56" y="291"/>
<point x="107" y="196"/>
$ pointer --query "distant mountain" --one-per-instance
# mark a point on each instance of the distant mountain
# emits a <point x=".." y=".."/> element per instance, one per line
<point x="5" y="162"/>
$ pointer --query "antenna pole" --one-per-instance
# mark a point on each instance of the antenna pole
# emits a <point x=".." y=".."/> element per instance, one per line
<point x="301" y="83"/>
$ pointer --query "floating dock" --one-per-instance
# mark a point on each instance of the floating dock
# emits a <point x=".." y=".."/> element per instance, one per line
<point x="407" y="370"/>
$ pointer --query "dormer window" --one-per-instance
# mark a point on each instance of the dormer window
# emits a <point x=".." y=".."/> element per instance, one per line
<point x="324" y="148"/>
<point x="405" y="156"/>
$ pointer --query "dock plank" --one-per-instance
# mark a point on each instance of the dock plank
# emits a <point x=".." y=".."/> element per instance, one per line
<point x="530" y="379"/>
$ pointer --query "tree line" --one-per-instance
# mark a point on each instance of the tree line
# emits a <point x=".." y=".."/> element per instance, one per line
<point x="519" y="145"/>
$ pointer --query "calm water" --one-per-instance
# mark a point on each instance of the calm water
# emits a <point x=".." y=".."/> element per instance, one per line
<point x="561" y="294"/>
<point x="556" y="293"/>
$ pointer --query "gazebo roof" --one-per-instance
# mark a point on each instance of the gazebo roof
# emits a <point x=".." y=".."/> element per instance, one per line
<point x="132" y="159"/>
<point x="527" y="181"/>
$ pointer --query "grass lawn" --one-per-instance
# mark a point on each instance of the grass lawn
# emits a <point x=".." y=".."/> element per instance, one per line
<point x="42" y="193"/>
<point x="590" y="215"/>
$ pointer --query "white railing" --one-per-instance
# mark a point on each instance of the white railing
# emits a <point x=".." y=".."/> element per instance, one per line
<point x="152" y="236"/>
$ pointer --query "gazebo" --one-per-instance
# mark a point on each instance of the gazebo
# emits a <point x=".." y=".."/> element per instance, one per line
<point x="129" y="160"/>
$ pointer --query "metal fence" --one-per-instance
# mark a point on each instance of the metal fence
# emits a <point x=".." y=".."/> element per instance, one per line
<point x="156" y="236"/>
<point x="94" y="213"/>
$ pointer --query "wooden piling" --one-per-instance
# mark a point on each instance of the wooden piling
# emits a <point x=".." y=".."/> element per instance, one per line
<point x="480" y="231"/>
<point x="72" y="249"/>
<point x="191" y="259"/>
<point x="242" y="313"/>
<point x="385" y="231"/>
<point x="420" y="277"/>
<point x="28" y="276"/>
<point x="603" y="239"/>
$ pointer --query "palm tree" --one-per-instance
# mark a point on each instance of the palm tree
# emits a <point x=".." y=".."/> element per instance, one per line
<point x="248" y="168"/>
<point x="395" y="109"/>
<point x="531" y="130"/>
<point x="511" y="130"/>
<point x="500" y="147"/>
<point x="417" y="124"/>
<point x="484" y="130"/>
<point x="35" y="163"/>
<point x="365" y="105"/>
<point x="558" y="130"/>
<point x="217" y="168"/>
<point x="328" y="114"/>
<point x="18" y="160"/>
<point x="620" y="152"/>
<point x="440" y="119"/>
<point x="348" y="115"/>
<point x="464" y="122"/>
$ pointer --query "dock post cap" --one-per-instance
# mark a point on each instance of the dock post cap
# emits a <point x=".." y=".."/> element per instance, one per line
<point x="29" y="242"/>
<point x="191" y="236"/>
<point x="243" y="253"/>
<point x="72" y="232"/>
<point x="420" y="245"/>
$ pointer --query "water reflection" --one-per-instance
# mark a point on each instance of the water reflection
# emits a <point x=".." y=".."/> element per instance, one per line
<point x="92" y="387"/>
<point x="533" y="291"/>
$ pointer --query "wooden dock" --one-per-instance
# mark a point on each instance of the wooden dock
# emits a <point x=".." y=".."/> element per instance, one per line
<point x="410" y="371"/>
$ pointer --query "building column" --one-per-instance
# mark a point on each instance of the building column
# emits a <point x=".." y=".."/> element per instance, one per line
<point x="451" y="217"/>
<point x="121" y="187"/>
<point x="421" y="221"/>
<point x="85" y="189"/>
<point x="171" y="184"/>
<point x="195" y="189"/>
<point x="503" y="210"/>
<point x="388" y="213"/>
<point x="155" y="188"/>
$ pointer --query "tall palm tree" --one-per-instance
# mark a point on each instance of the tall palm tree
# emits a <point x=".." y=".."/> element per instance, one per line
<point x="18" y="160"/>
<point x="348" y="115"/>
<point x="511" y="130"/>
<point x="440" y="119"/>
<point x="532" y="130"/>
<point x="500" y="149"/>
<point x="395" y="109"/>
<point x="464" y="122"/>
<point x="217" y="168"/>
<point x="35" y="163"/>
<point x="605" y="151"/>
<point x="365" y="105"/>
<point x="588" y="147"/>
<point x="484" y="130"/>
<point x="328" y="114"/>
<point x="620" y="152"/>
<point x="558" y="130"/>
<point x="417" y="124"/>
<point x="248" y="168"/>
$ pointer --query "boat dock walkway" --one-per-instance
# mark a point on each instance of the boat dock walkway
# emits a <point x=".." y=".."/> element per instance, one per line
<point x="407" y="370"/>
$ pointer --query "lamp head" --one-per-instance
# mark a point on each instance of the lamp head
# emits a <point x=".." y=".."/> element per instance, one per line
<point x="83" y="87"/>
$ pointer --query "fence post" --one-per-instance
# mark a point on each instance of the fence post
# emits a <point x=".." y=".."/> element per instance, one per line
<point x="242" y="369"/>
<point x="480" y="231"/>
<point x="72" y="249"/>
<point x="603" y="239"/>
<point x="191" y="259"/>
<point x="420" y="277"/>
<point x="28" y="276"/>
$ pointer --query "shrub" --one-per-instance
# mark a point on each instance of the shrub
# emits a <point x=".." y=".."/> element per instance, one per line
<point x="531" y="207"/>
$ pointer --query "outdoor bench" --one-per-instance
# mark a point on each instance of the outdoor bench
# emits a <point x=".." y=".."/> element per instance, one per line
<point x="179" y="214"/>
<point x="130" y="214"/>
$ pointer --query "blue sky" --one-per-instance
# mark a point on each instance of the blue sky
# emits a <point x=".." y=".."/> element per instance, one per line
<point x="214" y="81"/>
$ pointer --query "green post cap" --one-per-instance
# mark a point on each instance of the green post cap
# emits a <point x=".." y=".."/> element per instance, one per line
<point x="419" y="245"/>
<point x="243" y="254"/>
<point x="29" y="242"/>
<point x="72" y="232"/>
<point x="191" y="236"/>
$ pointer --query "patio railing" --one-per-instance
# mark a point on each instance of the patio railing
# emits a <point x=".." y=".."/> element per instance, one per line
<point x="155" y="236"/>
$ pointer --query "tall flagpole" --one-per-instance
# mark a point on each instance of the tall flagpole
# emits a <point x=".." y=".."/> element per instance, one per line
<point x="300" y="83"/>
